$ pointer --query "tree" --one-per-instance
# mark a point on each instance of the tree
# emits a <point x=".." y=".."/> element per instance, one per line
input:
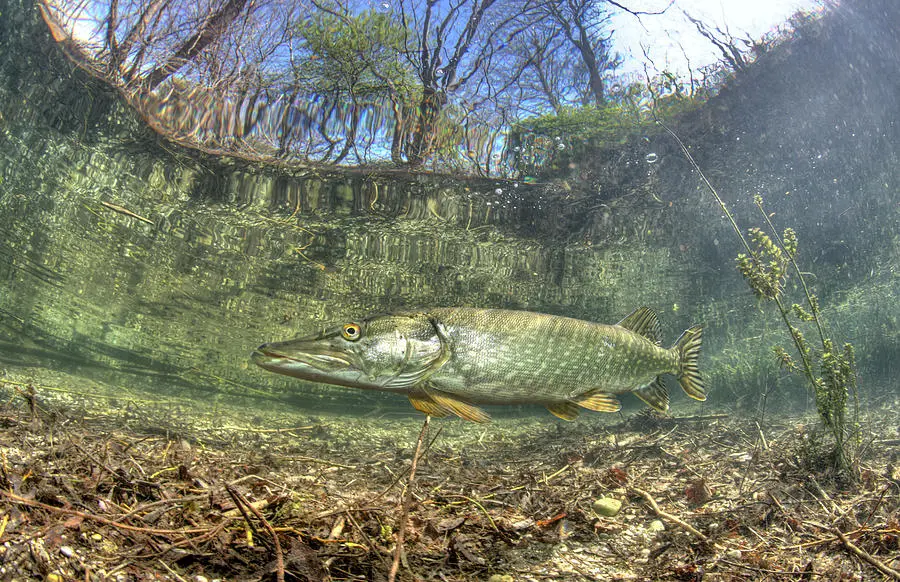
<point x="210" y="30"/>
<point x="353" y="58"/>
<point x="582" y="23"/>
<point x="450" y="45"/>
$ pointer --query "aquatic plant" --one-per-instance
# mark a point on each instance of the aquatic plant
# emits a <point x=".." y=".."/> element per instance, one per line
<point x="830" y="372"/>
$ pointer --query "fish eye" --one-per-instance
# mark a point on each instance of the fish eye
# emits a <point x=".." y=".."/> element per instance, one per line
<point x="351" y="332"/>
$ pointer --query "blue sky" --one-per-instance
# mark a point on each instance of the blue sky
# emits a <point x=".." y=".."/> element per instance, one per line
<point x="669" y="37"/>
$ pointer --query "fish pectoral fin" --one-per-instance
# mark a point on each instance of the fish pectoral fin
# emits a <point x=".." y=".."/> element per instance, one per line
<point x="460" y="408"/>
<point x="643" y="321"/>
<point x="655" y="394"/>
<point x="599" y="401"/>
<point x="565" y="410"/>
<point x="424" y="403"/>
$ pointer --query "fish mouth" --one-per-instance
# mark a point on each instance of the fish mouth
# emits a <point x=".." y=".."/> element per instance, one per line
<point x="280" y="355"/>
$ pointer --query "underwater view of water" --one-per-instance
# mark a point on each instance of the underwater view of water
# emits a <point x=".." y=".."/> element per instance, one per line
<point x="165" y="214"/>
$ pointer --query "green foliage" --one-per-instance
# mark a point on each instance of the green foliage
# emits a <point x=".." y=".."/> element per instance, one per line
<point x="357" y="54"/>
<point x="830" y="372"/>
<point x="547" y="141"/>
<point x="605" y="124"/>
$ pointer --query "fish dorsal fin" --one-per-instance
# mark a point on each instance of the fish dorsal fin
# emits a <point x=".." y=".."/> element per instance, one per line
<point x="599" y="401"/>
<point x="565" y="410"/>
<point x="655" y="395"/>
<point x="643" y="321"/>
<point x="448" y="403"/>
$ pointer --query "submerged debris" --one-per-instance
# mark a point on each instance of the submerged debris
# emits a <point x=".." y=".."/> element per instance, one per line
<point x="320" y="499"/>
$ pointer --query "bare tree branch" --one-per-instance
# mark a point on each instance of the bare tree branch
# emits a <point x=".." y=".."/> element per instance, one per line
<point x="214" y="27"/>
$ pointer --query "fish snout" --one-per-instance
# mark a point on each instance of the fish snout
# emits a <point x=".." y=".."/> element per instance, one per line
<point x="263" y="352"/>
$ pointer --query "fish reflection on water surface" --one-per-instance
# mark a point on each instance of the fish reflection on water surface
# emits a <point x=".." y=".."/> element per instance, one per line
<point x="448" y="360"/>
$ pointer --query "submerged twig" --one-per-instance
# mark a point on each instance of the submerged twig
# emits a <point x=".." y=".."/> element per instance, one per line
<point x="404" y="513"/>
<point x="865" y="556"/>
<point x="241" y="503"/>
<point x="668" y="516"/>
<point x="125" y="211"/>
<point x="12" y="497"/>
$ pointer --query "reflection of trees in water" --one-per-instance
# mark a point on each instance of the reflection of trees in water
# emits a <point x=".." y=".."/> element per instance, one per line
<point x="411" y="83"/>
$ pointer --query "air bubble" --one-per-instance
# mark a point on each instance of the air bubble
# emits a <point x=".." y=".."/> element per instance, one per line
<point x="651" y="158"/>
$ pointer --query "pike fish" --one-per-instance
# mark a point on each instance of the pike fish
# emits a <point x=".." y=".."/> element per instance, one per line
<point x="450" y="360"/>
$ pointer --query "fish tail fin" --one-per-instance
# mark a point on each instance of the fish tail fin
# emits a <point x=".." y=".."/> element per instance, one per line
<point x="688" y="348"/>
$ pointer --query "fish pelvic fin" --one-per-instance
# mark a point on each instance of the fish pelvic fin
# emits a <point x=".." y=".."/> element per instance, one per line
<point x="424" y="403"/>
<point x="565" y="410"/>
<point x="461" y="409"/>
<point x="643" y="321"/>
<point x="688" y="348"/>
<point x="599" y="401"/>
<point x="439" y="404"/>
<point x="655" y="394"/>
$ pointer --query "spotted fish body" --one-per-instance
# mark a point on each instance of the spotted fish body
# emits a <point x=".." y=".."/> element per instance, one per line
<point x="448" y="360"/>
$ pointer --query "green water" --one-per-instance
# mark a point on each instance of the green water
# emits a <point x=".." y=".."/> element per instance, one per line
<point x="102" y="305"/>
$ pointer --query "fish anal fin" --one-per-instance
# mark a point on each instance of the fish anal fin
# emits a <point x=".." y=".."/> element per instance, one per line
<point x="643" y="321"/>
<point x="599" y="401"/>
<point x="423" y="403"/>
<point x="655" y="394"/>
<point x="458" y="407"/>
<point x="565" y="410"/>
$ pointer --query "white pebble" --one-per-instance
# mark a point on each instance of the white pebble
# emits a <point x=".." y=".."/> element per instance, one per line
<point x="66" y="551"/>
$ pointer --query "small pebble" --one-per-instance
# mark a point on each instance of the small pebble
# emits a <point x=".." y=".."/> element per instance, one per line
<point x="199" y="578"/>
<point x="656" y="526"/>
<point x="66" y="551"/>
<point x="96" y="537"/>
<point x="607" y="506"/>
<point x="54" y="577"/>
<point x="733" y="554"/>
